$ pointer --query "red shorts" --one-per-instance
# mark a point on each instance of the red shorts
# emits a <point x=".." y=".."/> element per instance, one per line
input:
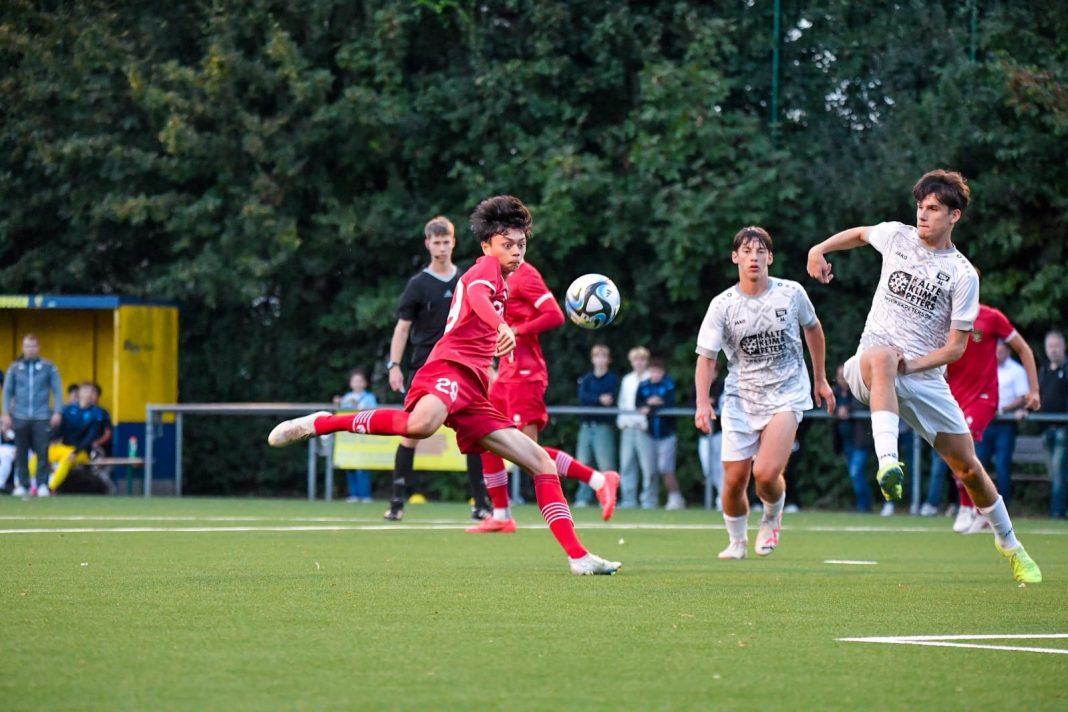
<point x="464" y="394"/>
<point x="522" y="402"/>
<point x="978" y="415"/>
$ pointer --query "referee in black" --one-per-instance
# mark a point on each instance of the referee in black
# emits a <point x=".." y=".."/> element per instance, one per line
<point x="421" y="315"/>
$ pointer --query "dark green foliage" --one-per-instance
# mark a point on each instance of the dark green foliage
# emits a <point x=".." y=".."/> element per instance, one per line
<point x="271" y="165"/>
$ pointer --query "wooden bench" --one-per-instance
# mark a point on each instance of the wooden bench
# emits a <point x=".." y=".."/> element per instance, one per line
<point x="1031" y="453"/>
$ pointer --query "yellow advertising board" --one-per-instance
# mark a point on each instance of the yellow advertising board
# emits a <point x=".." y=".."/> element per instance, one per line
<point x="439" y="452"/>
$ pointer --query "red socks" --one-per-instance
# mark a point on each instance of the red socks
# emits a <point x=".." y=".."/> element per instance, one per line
<point x="496" y="478"/>
<point x="384" y="421"/>
<point x="965" y="498"/>
<point x="557" y="514"/>
<point x="568" y="466"/>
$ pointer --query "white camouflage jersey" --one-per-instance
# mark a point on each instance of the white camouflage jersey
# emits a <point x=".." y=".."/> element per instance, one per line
<point x="922" y="293"/>
<point x="761" y="338"/>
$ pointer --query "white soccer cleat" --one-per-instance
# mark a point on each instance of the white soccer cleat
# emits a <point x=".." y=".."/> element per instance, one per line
<point x="768" y="536"/>
<point x="675" y="502"/>
<point x="43" y="491"/>
<point x="19" y="491"/>
<point x="294" y="431"/>
<point x="887" y="510"/>
<point x="735" y="550"/>
<point x="965" y="517"/>
<point x="593" y="565"/>
<point x="978" y="525"/>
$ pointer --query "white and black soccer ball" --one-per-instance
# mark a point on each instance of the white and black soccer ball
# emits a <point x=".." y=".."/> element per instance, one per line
<point x="592" y="301"/>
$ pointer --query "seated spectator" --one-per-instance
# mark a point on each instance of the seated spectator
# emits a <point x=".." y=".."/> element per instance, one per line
<point x="654" y="393"/>
<point x="84" y="430"/>
<point x="358" y="398"/>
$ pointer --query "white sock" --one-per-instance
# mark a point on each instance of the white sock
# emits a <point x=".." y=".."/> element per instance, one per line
<point x="736" y="527"/>
<point x="1000" y="523"/>
<point x="772" y="510"/>
<point x="596" y="480"/>
<point x="502" y="515"/>
<point x="884" y="431"/>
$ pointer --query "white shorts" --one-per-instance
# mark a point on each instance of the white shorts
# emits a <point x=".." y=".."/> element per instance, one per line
<point x="925" y="403"/>
<point x="741" y="432"/>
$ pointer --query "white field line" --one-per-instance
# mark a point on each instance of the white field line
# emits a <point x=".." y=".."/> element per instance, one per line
<point x="279" y="524"/>
<point x="850" y="562"/>
<point x="946" y="641"/>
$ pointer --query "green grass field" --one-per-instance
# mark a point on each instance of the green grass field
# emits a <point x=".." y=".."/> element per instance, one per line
<point x="298" y="605"/>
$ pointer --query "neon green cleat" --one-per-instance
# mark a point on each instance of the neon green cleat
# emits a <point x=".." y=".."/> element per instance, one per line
<point x="890" y="477"/>
<point x="1024" y="568"/>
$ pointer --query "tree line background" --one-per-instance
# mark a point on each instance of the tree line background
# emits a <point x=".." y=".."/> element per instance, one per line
<point x="270" y="165"/>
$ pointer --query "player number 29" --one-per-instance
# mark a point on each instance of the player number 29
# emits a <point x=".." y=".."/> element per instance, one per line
<point x="449" y="388"/>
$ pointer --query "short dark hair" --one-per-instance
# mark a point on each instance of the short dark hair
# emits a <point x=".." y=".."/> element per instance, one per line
<point x="657" y="363"/>
<point x="358" y="372"/>
<point x="498" y="215"/>
<point x="72" y="387"/>
<point x="439" y="226"/>
<point x="751" y="233"/>
<point x="948" y="187"/>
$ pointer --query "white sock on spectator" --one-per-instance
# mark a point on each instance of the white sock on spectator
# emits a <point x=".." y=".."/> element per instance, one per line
<point x="736" y="527"/>
<point x="884" y="425"/>
<point x="998" y="516"/>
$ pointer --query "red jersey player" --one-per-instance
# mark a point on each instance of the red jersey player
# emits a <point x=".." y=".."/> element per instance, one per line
<point x="451" y="388"/>
<point x="519" y="393"/>
<point x="973" y="381"/>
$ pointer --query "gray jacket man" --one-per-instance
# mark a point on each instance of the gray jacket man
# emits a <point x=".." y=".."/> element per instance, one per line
<point x="32" y="403"/>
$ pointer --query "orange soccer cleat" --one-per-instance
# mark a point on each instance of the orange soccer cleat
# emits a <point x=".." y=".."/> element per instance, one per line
<point x="489" y="525"/>
<point x="607" y="494"/>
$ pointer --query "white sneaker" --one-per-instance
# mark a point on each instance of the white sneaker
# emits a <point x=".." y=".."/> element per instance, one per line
<point x="887" y="510"/>
<point x="979" y="524"/>
<point x="928" y="510"/>
<point x="42" y="491"/>
<point x="291" y="431"/>
<point x="734" y="550"/>
<point x="593" y="565"/>
<point x="964" y="519"/>
<point x="19" y="491"/>
<point x="768" y="536"/>
<point x="675" y="502"/>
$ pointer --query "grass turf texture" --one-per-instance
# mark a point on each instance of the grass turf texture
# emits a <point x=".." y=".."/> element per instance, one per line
<point x="416" y="617"/>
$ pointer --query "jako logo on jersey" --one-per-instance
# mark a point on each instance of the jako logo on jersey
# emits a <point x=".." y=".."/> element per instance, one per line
<point x="913" y="290"/>
<point x="901" y="255"/>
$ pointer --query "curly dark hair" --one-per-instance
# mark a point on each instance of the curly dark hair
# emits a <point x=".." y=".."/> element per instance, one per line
<point x="498" y="215"/>
<point x="948" y="187"/>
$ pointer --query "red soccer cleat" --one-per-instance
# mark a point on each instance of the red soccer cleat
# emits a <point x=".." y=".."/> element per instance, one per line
<point x="607" y="494"/>
<point x="489" y="525"/>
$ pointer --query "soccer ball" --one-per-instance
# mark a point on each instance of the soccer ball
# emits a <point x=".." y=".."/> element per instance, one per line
<point x="592" y="301"/>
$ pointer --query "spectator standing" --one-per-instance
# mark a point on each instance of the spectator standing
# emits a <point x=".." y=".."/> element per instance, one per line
<point x="853" y="438"/>
<point x="999" y="440"/>
<point x="597" y="437"/>
<point x="32" y="402"/>
<point x="635" y="446"/>
<point x="656" y="392"/>
<point x="358" y="398"/>
<point x="1053" y="392"/>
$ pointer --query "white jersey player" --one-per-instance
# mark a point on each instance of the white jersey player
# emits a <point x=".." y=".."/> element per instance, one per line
<point x="757" y="324"/>
<point x="920" y="320"/>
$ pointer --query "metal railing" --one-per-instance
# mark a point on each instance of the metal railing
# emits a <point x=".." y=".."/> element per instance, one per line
<point x="155" y="411"/>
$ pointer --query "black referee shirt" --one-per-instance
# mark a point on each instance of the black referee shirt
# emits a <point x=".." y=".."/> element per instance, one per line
<point x="425" y="302"/>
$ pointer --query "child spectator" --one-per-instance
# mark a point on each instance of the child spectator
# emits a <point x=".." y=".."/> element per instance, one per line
<point x="597" y="437"/>
<point x="358" y="398"/>
<point x="635" y="447"/>
<point x="654" y="393"/>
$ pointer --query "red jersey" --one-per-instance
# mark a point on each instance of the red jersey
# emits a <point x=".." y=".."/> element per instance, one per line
<point x="528" y="299"/>
<point x="975" y="374"/>
<point x="468" y="340"/>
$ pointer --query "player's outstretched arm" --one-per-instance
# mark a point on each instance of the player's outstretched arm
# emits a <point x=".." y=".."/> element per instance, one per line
<point x="1027" y="358"/>
<point x="704" y="375"/>
<point x="549" y="317"/>
<point x="817" y="350"/>
<point x="818" y="266"/>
